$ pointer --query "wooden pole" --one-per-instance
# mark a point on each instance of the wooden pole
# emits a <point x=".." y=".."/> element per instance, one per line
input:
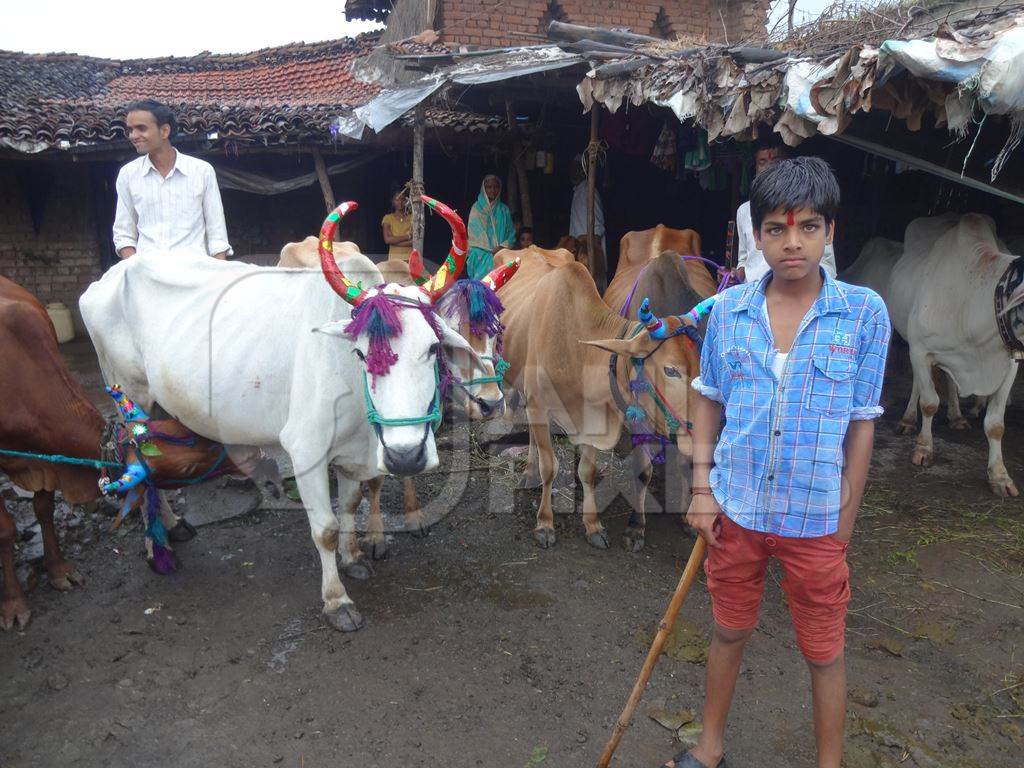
<point x="325" y="181"/>
<point x="595" y="261"/>
<point x="417" y="178"/>
<point x="664" y="630"/>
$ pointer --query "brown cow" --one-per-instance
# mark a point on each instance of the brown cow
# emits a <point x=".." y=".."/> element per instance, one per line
<point x="551" y="306"/>
<point x="637" y="249"/>
<point x="49" y="413"/>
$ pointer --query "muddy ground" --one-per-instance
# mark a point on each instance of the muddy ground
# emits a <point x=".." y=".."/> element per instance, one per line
<point x="481" y="650"/>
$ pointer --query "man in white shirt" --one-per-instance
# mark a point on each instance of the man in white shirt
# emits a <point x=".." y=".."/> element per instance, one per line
<point x="578" y="212"/>
<point x="750" y="263"/>
<point x="166" y="200"/>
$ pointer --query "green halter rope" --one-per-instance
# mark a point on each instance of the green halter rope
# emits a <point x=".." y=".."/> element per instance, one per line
<point x="500" y="366"/>
<point x="433" y="416"/>
<point x="56" y="458"/>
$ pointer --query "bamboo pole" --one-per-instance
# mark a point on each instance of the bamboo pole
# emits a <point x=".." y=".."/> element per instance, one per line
<point x="417" y="178"/>
<point x="664" y="630"/>
<point x="595" y="263"/>
<point x="325" y="181"/>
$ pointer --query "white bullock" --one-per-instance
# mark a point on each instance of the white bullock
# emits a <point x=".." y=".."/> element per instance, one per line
<point x="940" y="299"/>
<point x="260" y="356"/>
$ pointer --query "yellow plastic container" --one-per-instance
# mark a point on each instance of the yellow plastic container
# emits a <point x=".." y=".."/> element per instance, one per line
<point x="60" y="315"/>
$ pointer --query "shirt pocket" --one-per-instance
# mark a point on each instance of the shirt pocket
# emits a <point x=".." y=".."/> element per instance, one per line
<point x="737" y="369"/>
<point x="831" y="386"/>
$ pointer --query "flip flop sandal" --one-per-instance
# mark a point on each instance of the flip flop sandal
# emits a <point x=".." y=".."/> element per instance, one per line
<point x="687" y="760"/>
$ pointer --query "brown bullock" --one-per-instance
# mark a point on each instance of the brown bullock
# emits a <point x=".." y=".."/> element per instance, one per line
<point x="47" y="412"/>
<point x="551" y="306"/>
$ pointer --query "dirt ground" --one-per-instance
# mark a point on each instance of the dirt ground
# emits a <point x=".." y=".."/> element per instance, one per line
<point x="482" y="650"/>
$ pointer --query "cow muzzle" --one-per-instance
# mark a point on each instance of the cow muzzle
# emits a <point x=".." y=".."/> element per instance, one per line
<point x="405" y="461"/>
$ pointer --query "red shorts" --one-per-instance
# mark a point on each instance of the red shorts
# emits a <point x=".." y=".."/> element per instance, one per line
<point x="816" y="583"/>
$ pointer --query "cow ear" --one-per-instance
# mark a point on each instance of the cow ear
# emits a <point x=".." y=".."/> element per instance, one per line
<point x="638" y="346"/>
<point x="333" y="328"/>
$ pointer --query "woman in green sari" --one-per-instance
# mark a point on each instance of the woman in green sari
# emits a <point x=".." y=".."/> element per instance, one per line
<point x="490" y="228"/>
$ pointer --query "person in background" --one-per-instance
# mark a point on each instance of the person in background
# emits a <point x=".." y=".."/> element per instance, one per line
<point x="750" y="262"/>
<point x="578" y="212"/>
<point x="397" y="227"/>
<point x="525" y="238"/>
<point x="166" y="200"/>
<point x="490" y="228"/>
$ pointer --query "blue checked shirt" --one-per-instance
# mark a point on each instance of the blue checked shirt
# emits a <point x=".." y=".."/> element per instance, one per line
<point x="779" y="460"/>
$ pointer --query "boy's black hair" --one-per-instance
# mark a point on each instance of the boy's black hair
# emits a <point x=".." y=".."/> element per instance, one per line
<point x="803" y="182"/>
<point x="161" y="112"/>
<point x="774" y="144"/>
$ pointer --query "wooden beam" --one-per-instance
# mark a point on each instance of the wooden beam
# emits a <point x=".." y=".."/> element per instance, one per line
<point x="325" y="181"/>
<point x="417" y="177"/>
<point x="561" y="31"/>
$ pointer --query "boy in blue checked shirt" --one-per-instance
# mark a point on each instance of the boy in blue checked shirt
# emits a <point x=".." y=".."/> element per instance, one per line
<point x="796" y="361"/>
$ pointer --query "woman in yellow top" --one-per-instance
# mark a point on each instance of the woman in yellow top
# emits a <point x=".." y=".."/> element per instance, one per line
<point x="397" y="227"/>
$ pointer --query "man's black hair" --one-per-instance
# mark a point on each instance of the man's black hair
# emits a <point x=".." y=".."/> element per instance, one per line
<point x="773" y="144"/>
<point x="803" y="182"/>
<point x="160" y="112"/>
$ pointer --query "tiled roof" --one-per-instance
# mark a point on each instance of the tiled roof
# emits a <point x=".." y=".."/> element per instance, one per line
<point x="288" y="91"/>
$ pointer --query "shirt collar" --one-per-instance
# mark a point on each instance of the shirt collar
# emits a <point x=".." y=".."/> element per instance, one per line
<point x="831" y="300"/>
<point x="180" y="165"/>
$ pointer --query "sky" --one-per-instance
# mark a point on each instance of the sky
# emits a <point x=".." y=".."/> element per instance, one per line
<point x="187" y="27"/>
<point x="126" y="30"/>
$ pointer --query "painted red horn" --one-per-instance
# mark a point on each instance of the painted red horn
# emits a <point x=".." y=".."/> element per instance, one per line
<point x="344" y="287"/>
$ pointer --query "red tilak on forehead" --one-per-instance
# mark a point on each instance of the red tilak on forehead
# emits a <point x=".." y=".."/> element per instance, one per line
<point x="789" y="218"/>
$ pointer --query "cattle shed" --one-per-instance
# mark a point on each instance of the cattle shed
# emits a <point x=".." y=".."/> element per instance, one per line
<point x="917" y="110"/>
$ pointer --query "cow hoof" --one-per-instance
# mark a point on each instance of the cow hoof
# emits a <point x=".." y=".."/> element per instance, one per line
<point x="63" y="576"/>
<point x="14" y="614"/>
<point x="529" y="482"/>
<point x="598" y="539"/>
<point x="545" y="537"/>
<point x="376" y="547"/>
<point x="182" y="532"/>
<point x="633" y="540"/>
<point x="360" y="570"/>
<point x="922" y="457"/>
<point x="906" y="427"/>
<point x="345" y="619"/>
<point x="415" y="524"/>
<point x="960" y="424"/>
<point x="1003" y="487"/>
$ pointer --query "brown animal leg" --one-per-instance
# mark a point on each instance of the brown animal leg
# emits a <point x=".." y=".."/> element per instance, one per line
<point x="415" y="522"/>
<point x="14" y="610"/>
<point x="642" y="472"/>
<point x="587" y="473"/>
<point x="355" y="564"/>
<point x="540" y="436"/>
<point x="62" y="573"/>
<point x="375" y="541"/>
<point x="531" y="475"/>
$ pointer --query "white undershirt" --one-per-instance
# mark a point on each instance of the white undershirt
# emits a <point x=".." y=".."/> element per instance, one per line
<point x="779" y="358"/>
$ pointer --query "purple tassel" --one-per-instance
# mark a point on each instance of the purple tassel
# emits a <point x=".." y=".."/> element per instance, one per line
<point x="163" y="560"/>
<point x="639" y="385"/>
<point x="472" y="299"/>
<point x="377" y="317"/>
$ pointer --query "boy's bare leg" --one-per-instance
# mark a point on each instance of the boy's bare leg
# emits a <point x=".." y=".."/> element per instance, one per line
<point x="724" y="658"/>
<point x="828" y="685"/>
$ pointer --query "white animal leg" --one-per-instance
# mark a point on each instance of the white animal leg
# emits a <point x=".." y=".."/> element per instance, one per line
<point x="924" y="450"/>
<point x="339" y="610"/>
<point x="908" y="422"/>
<point x="998" y="478"/>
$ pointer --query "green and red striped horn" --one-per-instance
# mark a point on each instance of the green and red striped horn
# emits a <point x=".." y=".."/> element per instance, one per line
<point x="446" y="275"/>
<point x="344" y="287"/>
<point x="498" y="276"/>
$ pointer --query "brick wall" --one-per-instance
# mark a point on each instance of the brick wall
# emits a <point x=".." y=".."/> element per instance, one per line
<point x="506" y="22"/>
<point x="64" y="257"/>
